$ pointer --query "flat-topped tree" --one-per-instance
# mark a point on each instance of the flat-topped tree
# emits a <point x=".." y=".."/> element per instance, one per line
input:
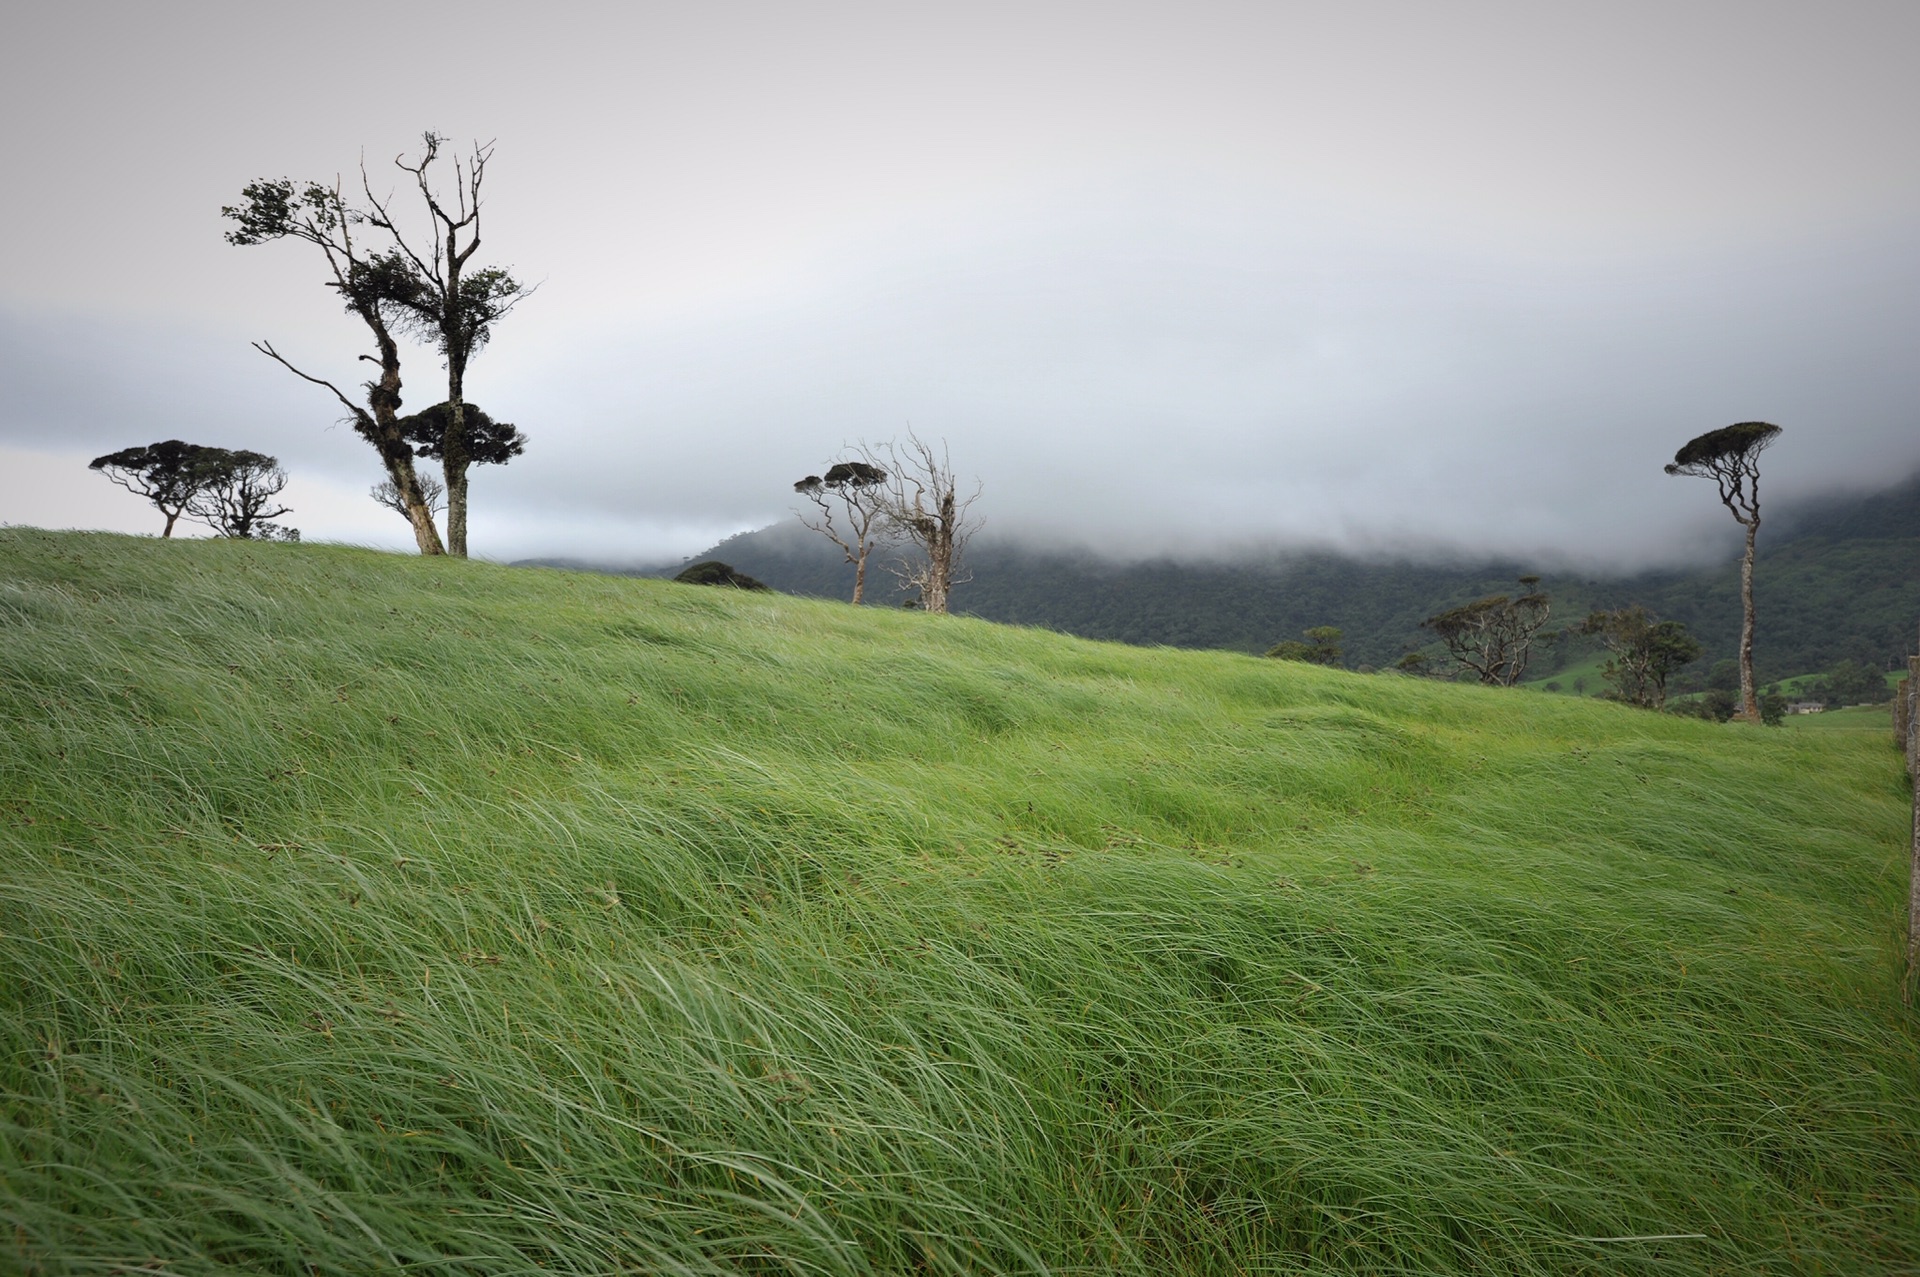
<point x="483" y="441"/>
<point x="857" y="487"/>
<point x="1730" y="456"/>
<point x="169" y="474"/>
<point x="380" y="289"/>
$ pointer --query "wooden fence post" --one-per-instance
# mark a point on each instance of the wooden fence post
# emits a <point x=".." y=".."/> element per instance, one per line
<point x="1911" y="701"/>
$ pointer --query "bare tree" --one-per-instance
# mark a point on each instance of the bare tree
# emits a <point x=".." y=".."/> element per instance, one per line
<point x="168" y="473"/>
<point x="1730" y="456"/>
<point x="1494" y="636"/>
<point x="456" y="303"/>
<point x="381" y="289"/>
<point x="858" y="488"/>
<point x="921" y="503"/>
<point x="432" y="491"/>
<point x="235" y="499"/>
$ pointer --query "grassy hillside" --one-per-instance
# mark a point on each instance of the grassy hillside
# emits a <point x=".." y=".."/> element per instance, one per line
<point x="361" y="912"/>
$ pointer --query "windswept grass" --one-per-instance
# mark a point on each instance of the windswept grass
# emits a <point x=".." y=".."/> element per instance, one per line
<point x="362" y="913"/>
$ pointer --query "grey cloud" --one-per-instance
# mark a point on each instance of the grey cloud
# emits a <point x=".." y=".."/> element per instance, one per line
<point x="1138" y="384"/>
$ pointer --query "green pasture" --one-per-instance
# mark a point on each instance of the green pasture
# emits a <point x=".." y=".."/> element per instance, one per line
<point x="362" y="913"/>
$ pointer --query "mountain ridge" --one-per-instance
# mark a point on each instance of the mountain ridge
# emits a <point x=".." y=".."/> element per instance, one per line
<point x="1838" y="578"/>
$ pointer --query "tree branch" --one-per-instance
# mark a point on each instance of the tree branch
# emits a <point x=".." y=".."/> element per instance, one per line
<point x="359" y="413"/>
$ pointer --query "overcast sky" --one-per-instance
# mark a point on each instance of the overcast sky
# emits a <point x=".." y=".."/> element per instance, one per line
<point x="1164" y="276"/>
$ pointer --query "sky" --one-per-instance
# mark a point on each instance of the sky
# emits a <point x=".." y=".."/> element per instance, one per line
<point x="1166" y="278"/>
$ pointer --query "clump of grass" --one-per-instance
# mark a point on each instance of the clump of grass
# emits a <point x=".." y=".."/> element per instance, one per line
<point x="362" y="912"/>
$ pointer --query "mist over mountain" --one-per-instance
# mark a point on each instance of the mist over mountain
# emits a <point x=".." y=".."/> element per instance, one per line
<point x="1837" y="578"/>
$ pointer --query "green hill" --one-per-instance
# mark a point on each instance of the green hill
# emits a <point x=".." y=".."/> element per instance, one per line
<point x="1838" y="579"/>
<point x="365" y="913"/>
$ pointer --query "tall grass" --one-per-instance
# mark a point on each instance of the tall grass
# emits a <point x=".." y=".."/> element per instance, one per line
<point x="363" y="913"/>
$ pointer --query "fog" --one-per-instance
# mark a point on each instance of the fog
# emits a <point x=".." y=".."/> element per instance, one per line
<point x="1164" y="280"/>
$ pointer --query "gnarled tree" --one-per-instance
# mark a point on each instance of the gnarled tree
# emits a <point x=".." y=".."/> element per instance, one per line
<point x="921" y="503"/>
<point x="1494" y="636"/>
<point x="169" y="474"/>
<point x="381" y="289"/>
<point x="456" y="303"/>
<point x="234" y="501"/>
<point x="1730" y="456"/>
<point x="1643" y="653"/>
<point x="857" y="487"/>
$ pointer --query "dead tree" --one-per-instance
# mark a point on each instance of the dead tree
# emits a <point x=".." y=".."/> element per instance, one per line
<point x="922" y="506"/>
<point x="379" y="288"/>
<point x="1730" y="456"/>
<point x="858" y="488"/>
<point x="456" y="304"/>
<point x="1493" y="637"/>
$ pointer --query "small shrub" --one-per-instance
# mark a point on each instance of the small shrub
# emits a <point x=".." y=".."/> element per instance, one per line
<point x="714" y="572"/>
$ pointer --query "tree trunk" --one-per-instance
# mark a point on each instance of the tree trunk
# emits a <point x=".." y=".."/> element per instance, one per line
<point x="173" y="517"/>
<point x="1749" y="698"/>
<point x="939" y="586"/>
<point x="453" y="458"/>
<point x="860" y="576"/>
<point x="406" y="481"/>
<point x="395" y="451"/>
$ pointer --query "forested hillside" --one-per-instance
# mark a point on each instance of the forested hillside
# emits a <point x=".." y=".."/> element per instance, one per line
<point x="1837" y="579"/>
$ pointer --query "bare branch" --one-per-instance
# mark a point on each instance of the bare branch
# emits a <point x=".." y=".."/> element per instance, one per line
<point x="923" y="506"/>
<point x="359" y="413"/>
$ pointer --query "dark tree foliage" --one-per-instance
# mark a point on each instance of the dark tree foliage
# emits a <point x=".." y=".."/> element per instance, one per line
<point x="856" y="487"/>
<point x="1719" y="704"/>
<point x="1850" y="683"/>
<point x="714" y="572"/>
<point x="1644" y="653"/>
<point x="237" y="499"/>
<point x="1725" y="675"/>
<point x="1494" y="636"/>
<point x="1730" y="456"/>
<point x="169" y="474"/>
<point x="1322" y="647"/>
<point x="486" y="442"/>
<point x="228" y="490"/>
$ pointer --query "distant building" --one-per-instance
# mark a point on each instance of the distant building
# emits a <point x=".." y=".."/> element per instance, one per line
<point x="1806" y="707"/>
